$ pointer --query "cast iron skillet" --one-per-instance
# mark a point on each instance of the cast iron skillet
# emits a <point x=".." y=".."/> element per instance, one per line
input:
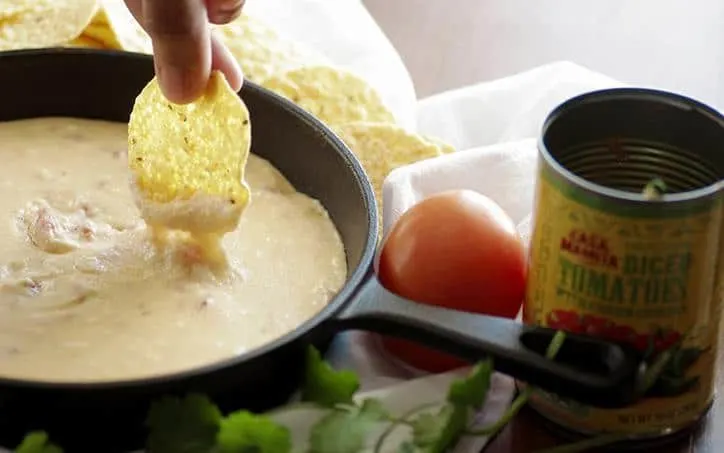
<point x="109" y="417"/>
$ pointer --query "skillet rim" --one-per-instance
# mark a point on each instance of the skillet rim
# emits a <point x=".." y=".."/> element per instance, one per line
<point x="354" y="280"/>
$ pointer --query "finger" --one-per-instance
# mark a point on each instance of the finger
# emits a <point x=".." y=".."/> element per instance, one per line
<point x="223" y="60"/>
<point x="223" y="11"/>
<point x="181" y="46"/>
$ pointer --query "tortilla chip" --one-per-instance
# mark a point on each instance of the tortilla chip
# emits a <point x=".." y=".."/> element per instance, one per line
<point x="103" y="34"/>
<point x="86" y="42"/>
<point x="11" y="10"/>
<point x="115" y="27"/>
<point x="333" y="95"/>
<point x="188" y="160"/>
<point x="382" y="148"/>
<point x="261" y="51"/>
<point x="445" y="147"/>
<point x="29" y="24"/>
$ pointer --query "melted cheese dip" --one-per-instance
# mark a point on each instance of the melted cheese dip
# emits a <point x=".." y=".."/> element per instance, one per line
<point x="85" y="296"/>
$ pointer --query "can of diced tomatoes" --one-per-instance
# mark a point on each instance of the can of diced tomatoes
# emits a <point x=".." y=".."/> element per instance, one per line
<point x="628" y="244"/>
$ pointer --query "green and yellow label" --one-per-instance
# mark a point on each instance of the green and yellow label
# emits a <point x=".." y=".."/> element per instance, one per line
<point x="653" y="282"/>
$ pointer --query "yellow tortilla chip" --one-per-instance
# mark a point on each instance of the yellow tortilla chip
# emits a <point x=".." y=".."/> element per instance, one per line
<point x="84" y="41"/>
<point x="445" y="147"/>
<point x="261" y="51"/>
<point x="102" y="33"/>
<point x="100" y="17"/>
<point x="11" y="9"/>
<point x="43" y="23"/>
<point x="188" y="160"/>
<point x="382" y="148"/>
<point x="116" y="28"/>
<point x="333" y="95"/>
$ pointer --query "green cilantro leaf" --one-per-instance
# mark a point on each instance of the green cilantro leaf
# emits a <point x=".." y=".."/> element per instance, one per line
<point x="37" y="442"/>
<point x="345" y="431"/>
<point x="323" y="385"/>
<point x="244" y="432"/>
<point x="472" y="390"/>
<point x="435" y="433"/>
<point x="183" y="425"/>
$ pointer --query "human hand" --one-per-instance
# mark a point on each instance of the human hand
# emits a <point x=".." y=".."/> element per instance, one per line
<point x="184" y="50"/>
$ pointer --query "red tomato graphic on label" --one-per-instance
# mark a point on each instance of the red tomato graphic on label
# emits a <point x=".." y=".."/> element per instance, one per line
<point x="623" y="334"/>
<point x="566" y="320"/>
<point x="667" y="340"/>
<point x="642" y="342"/>
<point x="596" y="325"/>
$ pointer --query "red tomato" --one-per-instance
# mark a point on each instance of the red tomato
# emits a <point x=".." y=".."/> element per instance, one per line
<point x="458" y="250"/>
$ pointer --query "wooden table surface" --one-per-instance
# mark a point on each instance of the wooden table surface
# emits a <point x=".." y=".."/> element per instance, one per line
<point x="528" y="433"/>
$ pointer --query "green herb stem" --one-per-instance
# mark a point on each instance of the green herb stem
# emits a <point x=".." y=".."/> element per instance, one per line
<point x="512" y="411"/>
<point x="606" y="439"/>
<point x="555" y="345"/>
<point x="652" y="374"/>
<point x="654" y="189"/>
<point x="400" y="421"/>
<point x="522" y="399"/>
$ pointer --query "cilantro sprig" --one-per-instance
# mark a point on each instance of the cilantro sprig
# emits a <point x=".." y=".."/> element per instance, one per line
<point x="194" y="424"/>
<point x="183" y="425"/>
<point x="325" y="386"/>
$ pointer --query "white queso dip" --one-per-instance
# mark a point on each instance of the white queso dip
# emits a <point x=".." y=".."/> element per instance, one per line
<point x="84" y="294"/>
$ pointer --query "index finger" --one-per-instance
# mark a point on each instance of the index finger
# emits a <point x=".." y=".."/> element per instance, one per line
<point x="180" y="33"/>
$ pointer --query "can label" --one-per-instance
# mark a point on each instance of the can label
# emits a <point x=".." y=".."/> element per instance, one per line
<point x="651" y="281"/>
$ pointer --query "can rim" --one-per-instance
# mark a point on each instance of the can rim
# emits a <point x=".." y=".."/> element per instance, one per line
<point x="647" y="94"/>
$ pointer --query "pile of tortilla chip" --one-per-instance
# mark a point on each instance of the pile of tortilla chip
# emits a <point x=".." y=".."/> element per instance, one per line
<point x="339" y="98"/>
<point x="113" y="27"/>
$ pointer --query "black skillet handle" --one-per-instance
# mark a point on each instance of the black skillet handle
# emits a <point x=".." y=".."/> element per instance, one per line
<point x="586" y="369"/>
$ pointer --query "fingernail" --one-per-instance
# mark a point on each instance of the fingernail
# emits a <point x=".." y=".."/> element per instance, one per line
<point x="226" y="12"/>
<point x="231" y="5"/>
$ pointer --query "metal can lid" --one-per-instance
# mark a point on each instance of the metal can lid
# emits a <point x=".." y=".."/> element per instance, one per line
<point x="608" y="142"/>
